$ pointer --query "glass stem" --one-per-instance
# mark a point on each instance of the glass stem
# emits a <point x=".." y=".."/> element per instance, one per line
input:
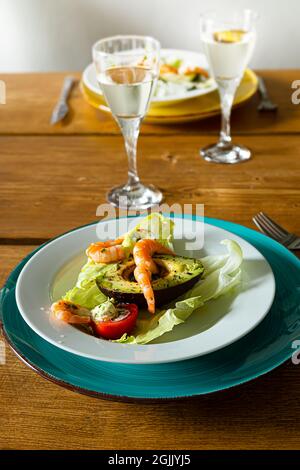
<point x="227" y="89"/>
<point x="130" y="128"/>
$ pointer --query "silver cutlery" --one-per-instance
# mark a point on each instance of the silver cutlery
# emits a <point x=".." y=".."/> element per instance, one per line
<point x="275" y="231"/>
<point x="62" y="108"/>
<point x="265" y="104"/>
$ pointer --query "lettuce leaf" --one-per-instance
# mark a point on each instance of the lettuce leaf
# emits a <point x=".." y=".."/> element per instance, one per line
<point x="154" y="226"/>
<point x="222" y="274"/>
<point x="86" y="292"/>
<point x="89" y="296"/>
<point x="162" y="322"/>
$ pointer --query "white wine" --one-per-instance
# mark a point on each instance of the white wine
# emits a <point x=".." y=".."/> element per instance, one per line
<point x="127" y="90"/>
<point x="126" y="68"/>
<point x="228" y="52"/>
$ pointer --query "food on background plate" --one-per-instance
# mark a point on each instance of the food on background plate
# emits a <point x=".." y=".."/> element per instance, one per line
<point x="176" y="77"/>
<point x="135" y="289"/>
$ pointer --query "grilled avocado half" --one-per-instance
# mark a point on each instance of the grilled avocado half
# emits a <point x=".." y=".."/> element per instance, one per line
<point x="177" y="274"/>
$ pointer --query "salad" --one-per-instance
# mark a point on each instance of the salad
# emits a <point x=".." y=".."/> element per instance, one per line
<point x="136" y="288"/>
<point x="177" y="77"/>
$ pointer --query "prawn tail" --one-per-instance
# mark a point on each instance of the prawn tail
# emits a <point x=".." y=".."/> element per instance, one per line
<point x="143" y="278"/>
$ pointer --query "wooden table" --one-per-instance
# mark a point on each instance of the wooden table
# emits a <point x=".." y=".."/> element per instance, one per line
<point x="53" y="178"/>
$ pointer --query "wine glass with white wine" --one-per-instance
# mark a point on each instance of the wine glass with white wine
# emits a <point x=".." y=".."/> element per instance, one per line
<point x="228" y="41"/>
<point x="127" y="68"/>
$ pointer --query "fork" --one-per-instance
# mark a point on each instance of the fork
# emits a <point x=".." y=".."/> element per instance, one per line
<point x="275" y="231"/>
<point x="265" y="104"/>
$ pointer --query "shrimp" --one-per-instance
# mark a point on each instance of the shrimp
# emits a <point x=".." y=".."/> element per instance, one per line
<point x="106" y="252"/>
<point x="145" y="266"/>
<point x="197" y="71"/>
<point x="143" y="278"/>
<point x="69" y="312"/>
<point x="166" y="68"/>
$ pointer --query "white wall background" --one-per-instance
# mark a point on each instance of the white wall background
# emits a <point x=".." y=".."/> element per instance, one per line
<point x="42" y="35"/>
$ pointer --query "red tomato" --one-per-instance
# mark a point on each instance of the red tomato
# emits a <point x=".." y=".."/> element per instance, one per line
<point x="114" y="329"/>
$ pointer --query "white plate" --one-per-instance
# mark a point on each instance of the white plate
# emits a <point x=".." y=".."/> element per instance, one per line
<point x="54" y="269"/>
<point x="191" y="58"/>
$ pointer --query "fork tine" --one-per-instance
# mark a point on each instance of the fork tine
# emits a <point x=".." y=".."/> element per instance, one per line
<point x="281" y="230"/>
<point x="269" y="226"/>
<point x="266" y="228"/>
<point x="258" y="225"/>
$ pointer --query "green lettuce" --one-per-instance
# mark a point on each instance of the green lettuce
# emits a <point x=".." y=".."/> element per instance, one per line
<point x="222" y="274"/>
<point x="88" y="297"/>
<point x="86" y="292"/>
<point x="154" y="226"/>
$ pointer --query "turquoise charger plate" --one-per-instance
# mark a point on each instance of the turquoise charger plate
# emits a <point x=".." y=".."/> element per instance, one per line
<point x="263" y="349"/>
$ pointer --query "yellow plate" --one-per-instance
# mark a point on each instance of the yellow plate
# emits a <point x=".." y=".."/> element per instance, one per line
<point x="188" y="110"/>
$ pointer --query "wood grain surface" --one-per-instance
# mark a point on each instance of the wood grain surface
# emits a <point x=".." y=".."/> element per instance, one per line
<point x="51" y="184"/>
<point x="53" y="179"/>
<point x="32" y="97"/>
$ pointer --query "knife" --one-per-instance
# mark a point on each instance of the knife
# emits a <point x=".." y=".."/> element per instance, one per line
<point x="62" y="108"/>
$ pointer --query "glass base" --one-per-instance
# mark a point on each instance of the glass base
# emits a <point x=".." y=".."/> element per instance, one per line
<point x="225" y="153"/>
<point x="134" y="197"/>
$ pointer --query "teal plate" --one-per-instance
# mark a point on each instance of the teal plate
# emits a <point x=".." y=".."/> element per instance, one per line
<point x="263" y="349"/>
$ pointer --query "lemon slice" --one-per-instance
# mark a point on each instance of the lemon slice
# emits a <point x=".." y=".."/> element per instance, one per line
<point x="230" y="36"/>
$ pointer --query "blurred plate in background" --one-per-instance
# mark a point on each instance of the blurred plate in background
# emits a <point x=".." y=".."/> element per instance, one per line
<point x="175" y="94"/>
<point x="186" y="110"/>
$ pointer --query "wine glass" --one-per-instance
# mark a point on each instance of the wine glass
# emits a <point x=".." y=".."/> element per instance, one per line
<point x="228" y="41"/>
<point x="127" y="68"/>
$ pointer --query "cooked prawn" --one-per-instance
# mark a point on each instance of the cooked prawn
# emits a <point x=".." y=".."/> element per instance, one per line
<point x="167" y="68"/>
<point x="143" y="278"/>
<point x="145" y="266"/>
<point x="69" y="312"/>
<point x="196" y="70"/>
<point x="144" y="250"/>
<point x="109" y="251"/>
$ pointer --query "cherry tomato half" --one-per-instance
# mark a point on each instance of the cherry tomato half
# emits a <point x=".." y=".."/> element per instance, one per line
<point x="114" y="329"/>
